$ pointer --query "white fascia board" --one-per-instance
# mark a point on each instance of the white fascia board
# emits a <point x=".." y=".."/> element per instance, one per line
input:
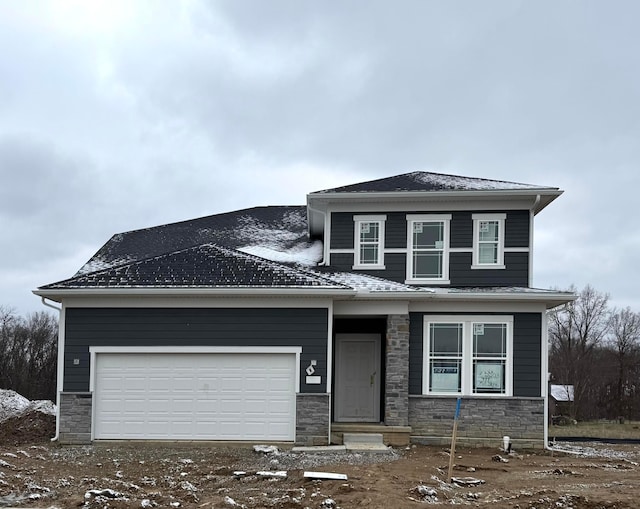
<point x="339" y="202"/>
<point x="58" y="294"/>
<point x="430" y="206"/>
<point x="476" y="307"/>
<point x="550" y="299"/>
<point x="195" y="302"/>
<point x="367" y="307"/>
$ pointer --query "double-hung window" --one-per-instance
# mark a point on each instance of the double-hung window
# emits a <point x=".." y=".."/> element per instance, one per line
<point x="468" y="355"/>
<point x="369" y="242"/>
<point x="488" y="241"/>
<point x="428" y="253"/>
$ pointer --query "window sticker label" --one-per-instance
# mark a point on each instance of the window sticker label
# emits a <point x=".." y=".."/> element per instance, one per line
<point x="444" y="378"/>
<point x="489" y="376"/>
<point x="417" y="227"/>
<point x="478" y="329"/>
<point x="364" y="227"/>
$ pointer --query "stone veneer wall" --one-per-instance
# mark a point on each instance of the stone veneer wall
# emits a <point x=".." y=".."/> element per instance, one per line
<point x="396" y="386"/>
<point x="313" y="414"/>
<point x="75" y="417"/>
<point x="482" y="422"/>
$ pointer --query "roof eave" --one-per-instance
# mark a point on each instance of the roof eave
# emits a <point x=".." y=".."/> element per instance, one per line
<point x="551" y="300"/>
<point x="58" y="294"/>
<point x="542" y="196"/>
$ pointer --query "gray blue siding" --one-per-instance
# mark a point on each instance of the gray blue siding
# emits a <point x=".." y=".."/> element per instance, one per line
<point x="527" y="352"/>
<point x="86" y="327"/>
<point x="516" y="273"/>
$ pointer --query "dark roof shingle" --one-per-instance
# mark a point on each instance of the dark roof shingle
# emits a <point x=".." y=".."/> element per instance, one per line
<point x="428" y="181"/>
<point x="207" y="266"/>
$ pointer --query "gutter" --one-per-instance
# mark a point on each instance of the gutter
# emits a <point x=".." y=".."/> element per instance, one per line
<point x="293" y="291"/>
<point x="56" y="437"/>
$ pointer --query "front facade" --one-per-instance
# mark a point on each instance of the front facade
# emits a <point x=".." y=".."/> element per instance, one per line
<point x="375" y="306"/>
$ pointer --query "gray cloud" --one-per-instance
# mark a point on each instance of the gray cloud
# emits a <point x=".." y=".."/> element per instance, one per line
<point x="146" y="113"/>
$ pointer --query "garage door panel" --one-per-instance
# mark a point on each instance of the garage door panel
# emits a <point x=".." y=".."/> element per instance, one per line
<point x="195" y="396"/>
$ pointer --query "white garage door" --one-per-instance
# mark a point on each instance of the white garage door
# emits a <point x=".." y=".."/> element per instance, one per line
<point x="195" y="396"/>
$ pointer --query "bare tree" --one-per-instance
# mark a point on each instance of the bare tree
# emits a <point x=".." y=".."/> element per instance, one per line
<point x="28" y="353"/>
<point x="624" y="339"/>
<point x="575" y="331"/>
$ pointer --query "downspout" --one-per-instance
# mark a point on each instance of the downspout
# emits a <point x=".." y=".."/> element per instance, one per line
<point x="325" y="233"/>
<point x="60" y="363"/>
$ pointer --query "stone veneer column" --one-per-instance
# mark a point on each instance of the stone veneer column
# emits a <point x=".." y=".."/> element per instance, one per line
<point x="75" y="418"/>
<point x="312" y="419"/>
<point x="397" y="371"/>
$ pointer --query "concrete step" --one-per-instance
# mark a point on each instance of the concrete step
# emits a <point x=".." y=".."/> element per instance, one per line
<point x="362" y="438"/>
<point x="364" y="442"/>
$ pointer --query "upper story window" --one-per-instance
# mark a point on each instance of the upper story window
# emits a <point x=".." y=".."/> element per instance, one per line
<point x="468" y="355"/>
<point x="369" y="242"/>
<point x="488" y="241"/>
<point x="428" y="248"/>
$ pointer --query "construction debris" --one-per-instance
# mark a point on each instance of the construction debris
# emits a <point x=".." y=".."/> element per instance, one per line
<point x="466" y="481"/>
<point x="325" y="475"/>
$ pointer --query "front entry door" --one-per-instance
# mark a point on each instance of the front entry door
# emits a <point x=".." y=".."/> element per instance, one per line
<point x="357" y="387"/>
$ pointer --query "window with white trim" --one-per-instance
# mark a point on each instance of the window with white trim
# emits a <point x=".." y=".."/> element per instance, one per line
<point x="369" y="242"/>
<point x="468" y="355"/>
<point x="428" y="248"/>
<point x="488" y="241"/>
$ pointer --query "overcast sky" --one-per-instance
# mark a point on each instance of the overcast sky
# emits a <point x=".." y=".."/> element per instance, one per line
<point x="118" y="115"/>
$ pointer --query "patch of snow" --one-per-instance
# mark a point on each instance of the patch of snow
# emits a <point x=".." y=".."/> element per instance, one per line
<point x="4" y="464"/>
<point x="590" y="450"/>
<point x="187" y="486"/>
<point x="13" y="404"/>
<point x="230" y="502"/>
<point x="455" y="182"/>
<point x="97" y="264"/>
<point x="302" y="253"/>
<point x="107" y="493"/>
<point x="266" y="449"/>
<point x="367" y="283"/>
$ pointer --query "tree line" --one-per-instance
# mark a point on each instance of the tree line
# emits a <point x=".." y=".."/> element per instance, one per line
<point x="29" y="353"/>
<point x="596" y="348"/>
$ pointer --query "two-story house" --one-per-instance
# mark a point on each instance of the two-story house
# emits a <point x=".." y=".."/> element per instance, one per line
<point x="374" y="307"/>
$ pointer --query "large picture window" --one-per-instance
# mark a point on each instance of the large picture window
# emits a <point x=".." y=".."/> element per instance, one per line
<point x="468" y="355"/>
<point x="369" y="242"/>
<point x="428" y="253"/>
<point x="488" y="241"/>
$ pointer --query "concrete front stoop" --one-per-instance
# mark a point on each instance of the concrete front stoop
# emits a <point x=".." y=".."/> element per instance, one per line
<point x="364" y="442"/>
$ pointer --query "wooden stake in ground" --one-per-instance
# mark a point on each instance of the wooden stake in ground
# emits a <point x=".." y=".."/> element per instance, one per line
<point x="453" y="439"/>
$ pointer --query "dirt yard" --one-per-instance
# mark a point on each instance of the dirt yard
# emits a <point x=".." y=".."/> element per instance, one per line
<point x="116" y="476"/>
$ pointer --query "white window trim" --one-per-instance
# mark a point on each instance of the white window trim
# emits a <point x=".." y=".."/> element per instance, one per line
<point x="476" y="241"/>
<point x="413" y="218"/>
<point x="358" y="220"/>
<point x="467" y="322"/>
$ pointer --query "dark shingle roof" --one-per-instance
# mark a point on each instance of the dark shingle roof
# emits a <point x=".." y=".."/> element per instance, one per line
<point x="428" y="181"/>
<point x="207" y="266"/>
<point x="283" y="227"/>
